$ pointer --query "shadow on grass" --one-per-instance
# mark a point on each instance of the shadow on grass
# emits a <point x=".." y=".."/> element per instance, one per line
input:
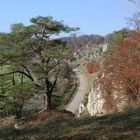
<point x="117" y="126"/>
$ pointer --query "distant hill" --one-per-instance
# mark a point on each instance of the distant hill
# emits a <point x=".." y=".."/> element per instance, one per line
<point x="77" y="42"/>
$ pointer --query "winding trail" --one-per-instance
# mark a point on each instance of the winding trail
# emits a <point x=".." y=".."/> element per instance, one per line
<point x="80" y="93"/>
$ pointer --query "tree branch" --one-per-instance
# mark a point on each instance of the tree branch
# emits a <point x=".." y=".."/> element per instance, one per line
<point x="52" y="67"/>
<point x="54" y="83"/>
<point x="9" y="73"/>
<point x="29" y="73"/>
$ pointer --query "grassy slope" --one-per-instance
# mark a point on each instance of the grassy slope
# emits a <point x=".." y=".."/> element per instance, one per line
<point x="59" y="125"/>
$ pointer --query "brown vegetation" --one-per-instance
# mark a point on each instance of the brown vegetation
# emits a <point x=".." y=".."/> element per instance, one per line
<point x="122" y="72"/>
<point x="91" y="67"/>
<point x="58" y="125"/>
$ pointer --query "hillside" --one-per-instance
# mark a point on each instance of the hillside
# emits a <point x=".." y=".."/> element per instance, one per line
<point x="55" y="125"/>
<point x="83" y="41"/>
<point x="64" y="125"/>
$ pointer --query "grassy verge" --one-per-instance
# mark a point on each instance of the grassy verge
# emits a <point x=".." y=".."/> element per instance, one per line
<point x="61" y="101"/>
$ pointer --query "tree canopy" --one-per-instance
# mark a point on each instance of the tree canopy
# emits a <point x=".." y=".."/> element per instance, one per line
<point x="122" y="71"/>
<point x="32" y="54"/>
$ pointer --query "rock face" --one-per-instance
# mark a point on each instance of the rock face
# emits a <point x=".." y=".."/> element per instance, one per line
<point x="81" y="108"/>
<point x="99" y="102"/>
<point x="104" y="48"/>
<point x="99" y="105"/>
<point x="95" y="103"/>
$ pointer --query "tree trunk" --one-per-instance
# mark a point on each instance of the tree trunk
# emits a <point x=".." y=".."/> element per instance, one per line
<point x="49" y="91"/>
<point x="49" y="102"/>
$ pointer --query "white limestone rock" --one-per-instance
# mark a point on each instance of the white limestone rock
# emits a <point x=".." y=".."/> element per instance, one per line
<point x="105" y="48"/>
<point x="81" y="108"/>
<point x="95" y="102"/>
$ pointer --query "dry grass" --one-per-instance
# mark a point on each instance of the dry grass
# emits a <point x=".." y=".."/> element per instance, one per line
<point x="63" y="125"/>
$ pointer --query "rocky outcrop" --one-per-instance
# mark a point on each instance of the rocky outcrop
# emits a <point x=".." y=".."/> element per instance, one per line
<point x="98" y="104"/>
<point x="101" y="104"/>
<point x="95" y="105"/>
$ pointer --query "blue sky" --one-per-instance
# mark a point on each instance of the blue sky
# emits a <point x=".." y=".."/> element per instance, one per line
<point x="92" y="16"/>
